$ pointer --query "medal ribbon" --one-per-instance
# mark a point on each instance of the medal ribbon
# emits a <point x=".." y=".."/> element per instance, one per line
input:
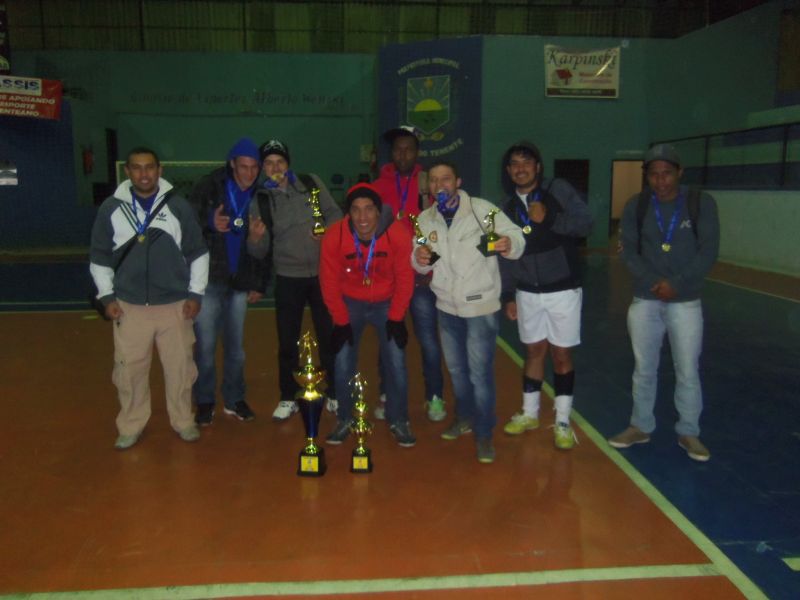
<point x="235" y="209"/>
<point x="667" y="239"/>
<point x="141" y="226"/>
<point x="523" y="214"/>
<point x="403" y="194"/>
<point x="364" y="265"/>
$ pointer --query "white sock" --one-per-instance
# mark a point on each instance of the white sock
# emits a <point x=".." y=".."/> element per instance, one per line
<point x="530" y="404"/>
<point x="563" y="408"/>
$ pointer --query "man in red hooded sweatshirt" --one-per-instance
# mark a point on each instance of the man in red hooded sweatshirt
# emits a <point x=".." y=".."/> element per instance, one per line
<point x="403" y="186"/>
<point x="366" y="279"/>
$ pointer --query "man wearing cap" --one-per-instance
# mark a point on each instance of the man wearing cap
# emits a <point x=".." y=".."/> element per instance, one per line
<point x="402" y="185"/>
<point x="670" y="241"/>
<point x="466" y="281"/>
<point x="542" y="290"/>
<point x="150" y="266"/>
<point x="235" y="235"/>
<point x="366" y="279"/>
<point x="295" y="259"/>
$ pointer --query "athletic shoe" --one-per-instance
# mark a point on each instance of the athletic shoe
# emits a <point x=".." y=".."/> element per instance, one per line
<point x="520" y="423"/>
<point x="457" y="428"/>
<point x="331" y="405"/>
<point x="126" y="441"/>
<point x="190" y="434"/>
<point x="402" y="433"/>
<point x="485" y="451"/>
<point x="694" y="448"/>
<point x="284" y="410"/>
<point x="204" y="415"/>
<point x="380" y="409"/>
<point x="339" y="433"/>
<point x="241" y="411"/>
<point x="565" y="438"/>
<point x="436" y="411"/>
<point x="632" y="435"/>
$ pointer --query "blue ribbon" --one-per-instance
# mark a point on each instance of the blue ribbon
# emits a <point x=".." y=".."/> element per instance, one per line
<point x="667" y="239"/>
<point x="147" y="205"/>
<point x="364" y="266"/>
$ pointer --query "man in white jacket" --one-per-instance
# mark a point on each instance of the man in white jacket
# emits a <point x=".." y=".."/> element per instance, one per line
<point x="466" y="281"/>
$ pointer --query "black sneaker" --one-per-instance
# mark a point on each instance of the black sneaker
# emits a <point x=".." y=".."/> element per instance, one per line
<point x="402" y="433"/>
<point x="339" y="434"/>
<point x="241" y="411"/>
<point x="204" y="415"/>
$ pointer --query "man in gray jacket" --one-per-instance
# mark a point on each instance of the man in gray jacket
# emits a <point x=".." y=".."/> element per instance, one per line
<point x="295" y="258"/>
<point x="670" y="241"/>
<point x="150" y="265"/>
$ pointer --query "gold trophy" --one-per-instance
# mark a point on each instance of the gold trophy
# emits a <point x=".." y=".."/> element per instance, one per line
<point x="489" y="239"/>
<point x="310" y="401"/>
<point x="421" y="239"/>
<point x="362" y="456"/>
<point x="318" y="228"/>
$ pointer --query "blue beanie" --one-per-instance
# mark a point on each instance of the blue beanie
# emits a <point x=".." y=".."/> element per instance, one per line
<point x="244" y="147"/>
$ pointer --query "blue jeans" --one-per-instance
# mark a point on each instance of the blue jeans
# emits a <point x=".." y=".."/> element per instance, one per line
<point x="222" y="311"/>
<point x="648" y="320"/>
<point x="423" y="315"/>
<point x="469" y="345"/>
<point x="393" y="360"/>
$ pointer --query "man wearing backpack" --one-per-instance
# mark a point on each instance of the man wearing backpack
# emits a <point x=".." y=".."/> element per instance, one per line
<point x="295" y="258"/>
<point x="670" y="241"/>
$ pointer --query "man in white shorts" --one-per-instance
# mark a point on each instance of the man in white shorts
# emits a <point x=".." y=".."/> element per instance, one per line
<point x="542" y="290"/>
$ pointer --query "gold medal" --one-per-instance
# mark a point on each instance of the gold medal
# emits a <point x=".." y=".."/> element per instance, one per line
<point x="367" y="281"/>
<point x="666" y="246"/>
<point x="140" y="238"/>
<point x="527" y="229"/>
<point x="238" y="222"/>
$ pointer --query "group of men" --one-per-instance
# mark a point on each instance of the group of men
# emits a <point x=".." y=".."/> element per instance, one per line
<point x="173" y="271"/>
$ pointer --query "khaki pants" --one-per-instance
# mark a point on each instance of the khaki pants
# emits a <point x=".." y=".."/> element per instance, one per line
<point x="134" y="335"/>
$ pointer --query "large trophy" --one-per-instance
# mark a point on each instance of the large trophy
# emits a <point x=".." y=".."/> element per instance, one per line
<point x="318" y="228"/>
<point x="362" y="456"/>
<point x="421" y="239"/>
<point x="310" y="401"/>
<point x="489" y="239"/>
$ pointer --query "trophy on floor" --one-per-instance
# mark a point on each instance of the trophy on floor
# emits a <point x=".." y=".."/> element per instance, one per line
<point x="421" y="239"/>
<point x="362" y="456"/>
<point x="310" y="401"/>
<point x="318" y="228"/>
<point x="489" y="239"/>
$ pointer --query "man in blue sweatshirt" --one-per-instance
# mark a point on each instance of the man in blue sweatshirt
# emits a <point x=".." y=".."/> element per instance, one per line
<point x="670" y="241"/>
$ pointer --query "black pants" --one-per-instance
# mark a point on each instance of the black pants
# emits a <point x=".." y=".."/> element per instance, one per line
<point x="291" y="295"/>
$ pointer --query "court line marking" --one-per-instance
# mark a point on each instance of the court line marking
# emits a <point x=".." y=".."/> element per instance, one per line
<point x="719" y="559"/>
<point x="755" y="291"/>
<point x="793" y="562"/>
<point x="364" y="586"/>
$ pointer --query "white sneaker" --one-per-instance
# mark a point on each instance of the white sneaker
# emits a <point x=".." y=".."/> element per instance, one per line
<point x="380" y="410"/>
<point x="284" y="410"/>
<point x="332" y="405"/>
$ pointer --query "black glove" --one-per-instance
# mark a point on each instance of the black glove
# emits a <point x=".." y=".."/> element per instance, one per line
<point x="340" y="335"/>
<point x="398" y="331"/>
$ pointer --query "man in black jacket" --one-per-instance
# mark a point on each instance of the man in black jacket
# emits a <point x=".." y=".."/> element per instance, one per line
<point x="542" y="290"/>
<point x="236" y="239"/>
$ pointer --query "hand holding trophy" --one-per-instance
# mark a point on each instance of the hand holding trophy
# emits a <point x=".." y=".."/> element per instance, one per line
<point x="310" y="400"/>
<point x="421" y="240"/>
<point x="318" y="228"/>
<point x="362" y="456"/>
<point x="489" y="239"/>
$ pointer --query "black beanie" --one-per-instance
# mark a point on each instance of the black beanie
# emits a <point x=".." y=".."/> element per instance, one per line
<point x="363" y="190"/>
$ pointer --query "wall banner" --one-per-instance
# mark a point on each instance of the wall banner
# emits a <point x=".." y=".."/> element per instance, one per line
<point x="30" y="97"/>
<point x="581" y="73"/>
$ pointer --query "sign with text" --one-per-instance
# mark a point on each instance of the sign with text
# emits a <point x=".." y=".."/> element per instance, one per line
<point x="581" y="73"/>
<point x="30" y="97"/>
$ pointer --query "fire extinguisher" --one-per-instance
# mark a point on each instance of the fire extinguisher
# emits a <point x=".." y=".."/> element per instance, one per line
<point x="88" y="160"/>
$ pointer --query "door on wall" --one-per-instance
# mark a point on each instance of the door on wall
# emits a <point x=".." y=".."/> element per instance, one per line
<point x="576" y="172"/>
<point x="627" y="180"/>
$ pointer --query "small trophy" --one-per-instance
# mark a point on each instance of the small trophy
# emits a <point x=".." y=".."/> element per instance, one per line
<point x="318" y="228"/>
<point x="420" y="238"/>
<point x="489" y="239"/>
<point x="310" y="401"/>
<point x="362" y="456"/>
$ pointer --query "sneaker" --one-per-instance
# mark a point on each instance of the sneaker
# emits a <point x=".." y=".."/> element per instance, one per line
<point x="339" y="434"/>
<point x="457" y="428"/>
<point x="126" y="441"/>
<point x="632" y="435"/>
<point x="402" y="433"/>
<point x="694" y="448"/>
<point x="436" y="411"/>
<point x="241" y="411"/>
<point x="190" y="434"/>
<point x="380" y="410"/>
<point x="284" y="410"/>
<point x="565" y="438"/>
<point x="485" y="451"/>
<point x="520" y="423"/>
<point x="204" y="415"/>
<point x="332" y="405"/>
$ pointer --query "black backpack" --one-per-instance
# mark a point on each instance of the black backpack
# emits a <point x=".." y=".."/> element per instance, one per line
<point x="643" y="203"/>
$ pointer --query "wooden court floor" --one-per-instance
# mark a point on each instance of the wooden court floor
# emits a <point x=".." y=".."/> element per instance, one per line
<point x="227" y="517"/>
